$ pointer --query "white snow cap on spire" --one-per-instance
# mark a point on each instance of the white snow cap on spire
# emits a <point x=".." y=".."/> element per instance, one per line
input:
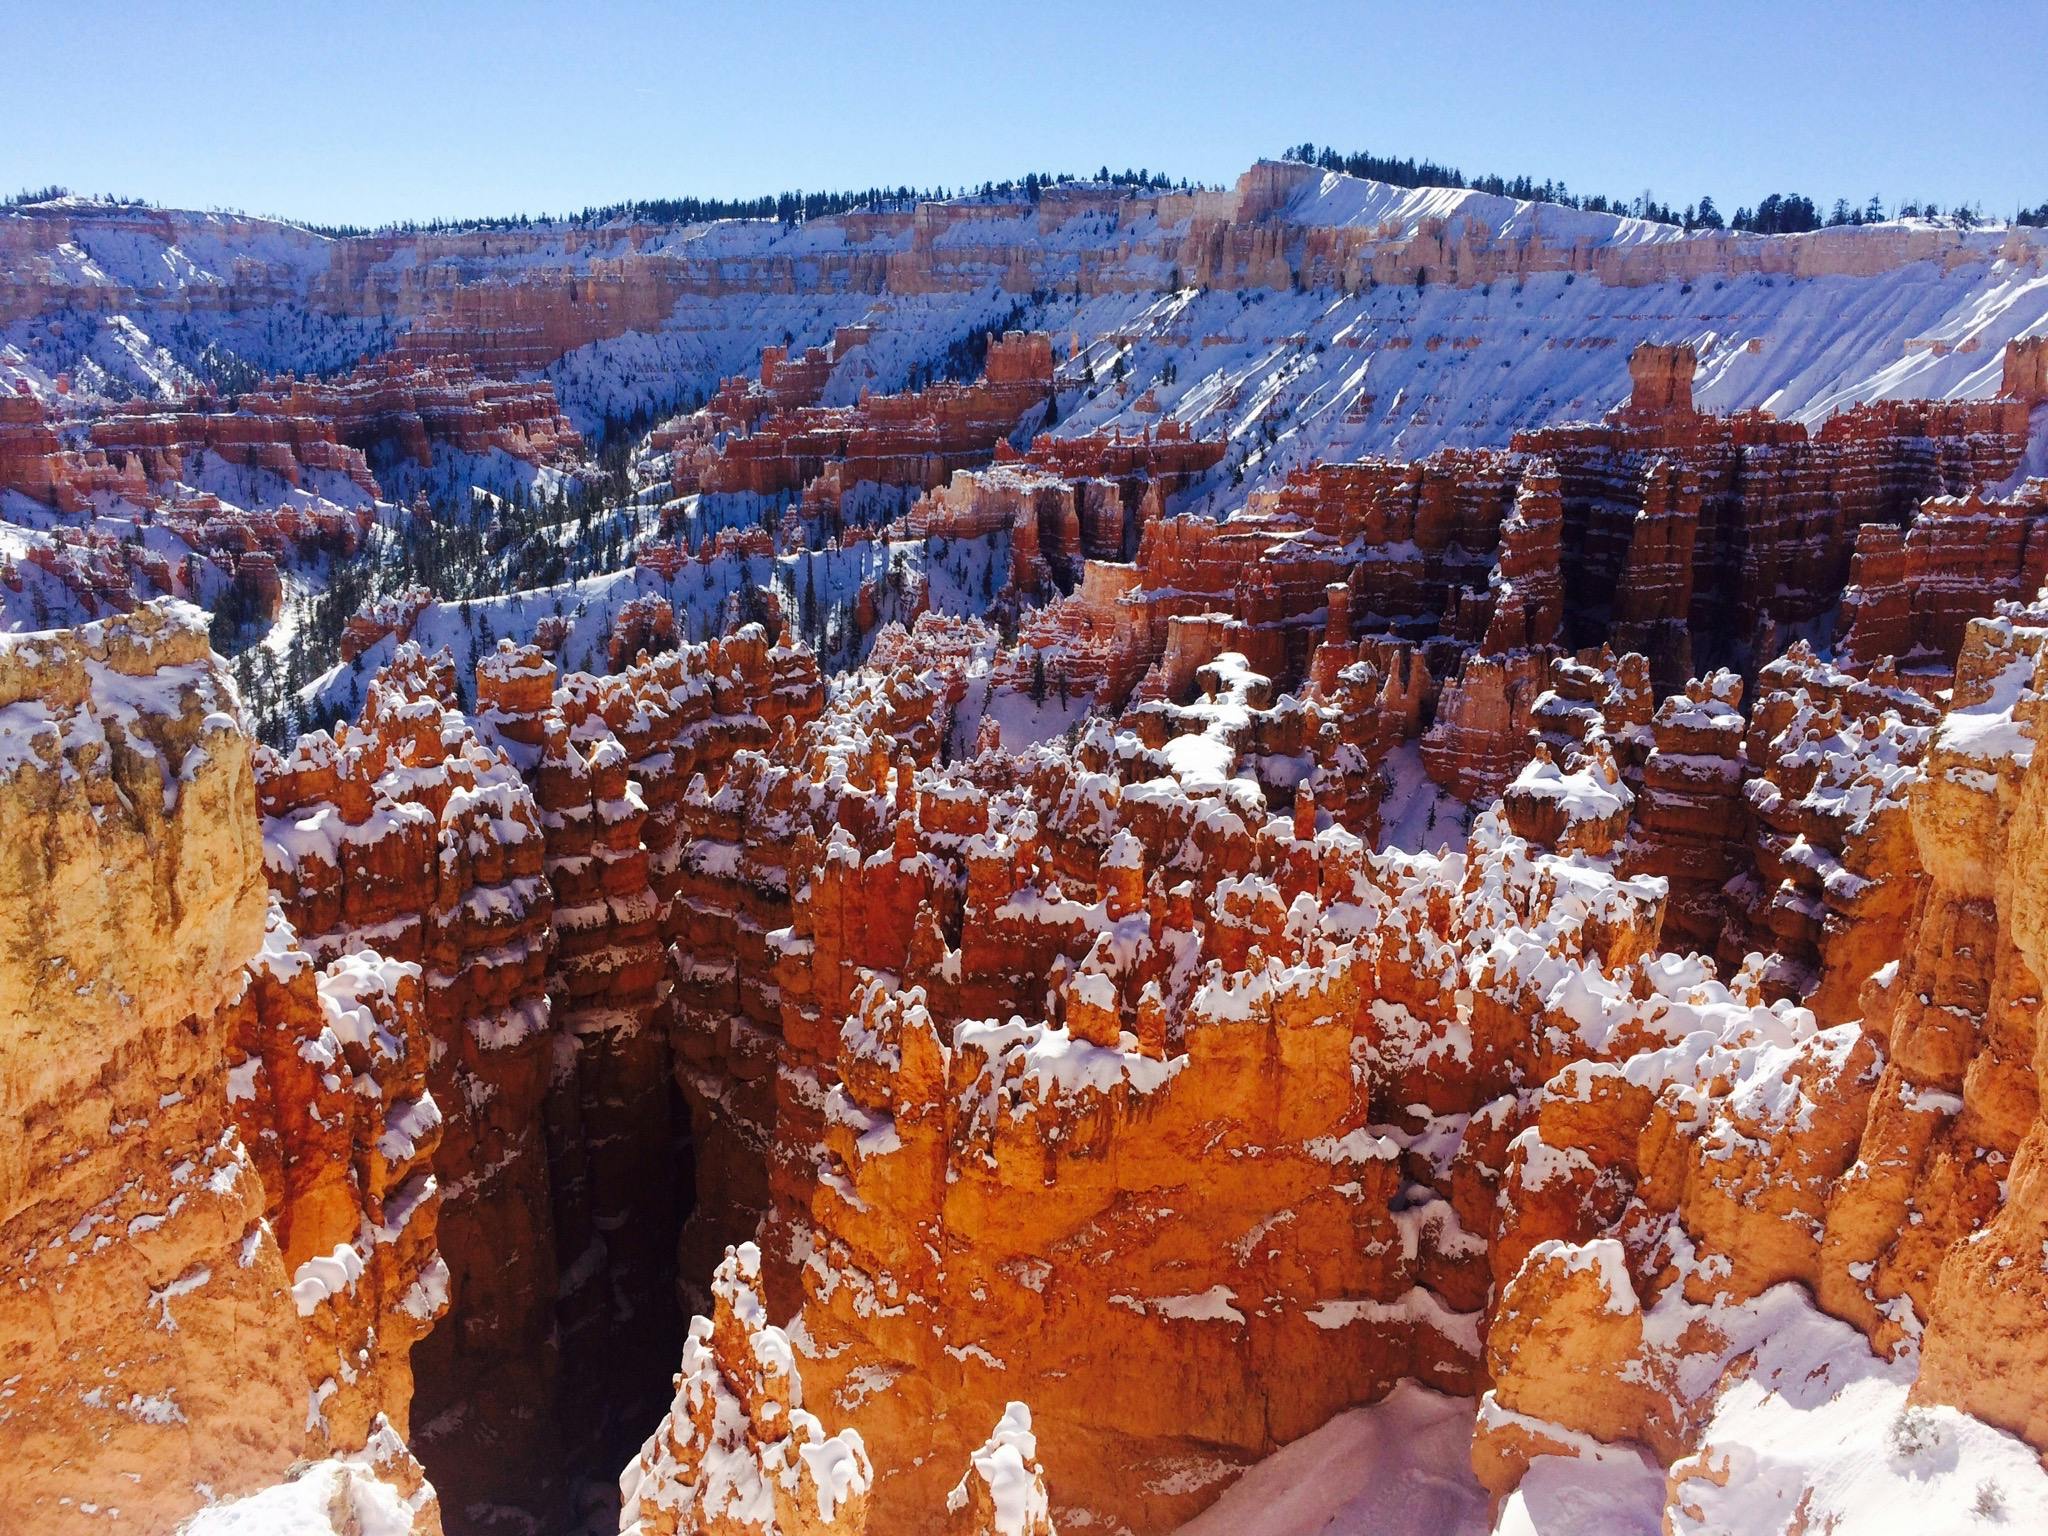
<point x="1007" y="1468"/>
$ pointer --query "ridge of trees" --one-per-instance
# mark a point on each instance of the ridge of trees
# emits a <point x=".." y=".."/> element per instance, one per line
<point x="1781" y="213"/>
<point x="789" y="208"/>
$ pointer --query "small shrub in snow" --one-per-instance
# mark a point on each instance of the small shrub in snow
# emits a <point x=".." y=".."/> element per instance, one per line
<point x="1990" y="1503"/>
<point x="1915" y="1433"/>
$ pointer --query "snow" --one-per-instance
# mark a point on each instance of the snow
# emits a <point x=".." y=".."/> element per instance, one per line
<point x="1400" y="1467"/>
<point x="1211" y="1306"/>
<point x="839" y="1469"/>
<point x="1592" y="792"/>
<point x="338" y="1497"/>
<point x="1606" y="1491"/>
<point x="1820" y="1423"/>
<point x="1418" y="813"/>
<point x="1603" y="1256"/>
<point x="1004" y="1463"/>
<point x="242" y="1079"/>
<point x="162" y="1296"/>
<point x="1992" y="727"/>
<point x="1038" y="1061"/>
<point x="1021" y="722"/>
<point x="1810" y="1431"/>
<point x="1420" y="1307"/>
<point x="324" y="1276"/>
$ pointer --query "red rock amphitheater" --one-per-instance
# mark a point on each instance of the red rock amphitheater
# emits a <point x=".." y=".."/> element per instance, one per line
<point x="1518" y="961"/>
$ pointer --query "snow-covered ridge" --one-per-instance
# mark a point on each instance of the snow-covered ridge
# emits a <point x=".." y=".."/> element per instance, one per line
<point x="145" y="682"/>
<point x="1335" y="315"/>
<point x="63" y="249"/>
<point x="111" y="241"/>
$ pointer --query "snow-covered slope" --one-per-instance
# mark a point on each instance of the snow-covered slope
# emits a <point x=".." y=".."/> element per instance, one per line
<point x="1401" y="1467"/>
<point x="1524" y="319"/>
<point x="1812" y="1432"/>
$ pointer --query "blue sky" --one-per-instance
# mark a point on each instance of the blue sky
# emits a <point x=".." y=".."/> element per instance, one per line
<point x="377" y="111"/>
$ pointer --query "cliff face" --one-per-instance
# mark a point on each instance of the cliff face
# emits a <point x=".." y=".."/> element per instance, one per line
<point x="911" y="440"/>
<point x="164" y="1344"/>
<point x="1029" y="1162"/>
<point x="739" y="1453"/>
<point x="1282" y="222"/>
<point x="407" y="834"/>
<point x="1290" y="280"/>
<point x="1070" y="500"/>
<point x="1965" y="1031"/>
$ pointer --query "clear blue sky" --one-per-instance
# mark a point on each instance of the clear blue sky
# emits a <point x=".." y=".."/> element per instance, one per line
<point x="375" y="111"/>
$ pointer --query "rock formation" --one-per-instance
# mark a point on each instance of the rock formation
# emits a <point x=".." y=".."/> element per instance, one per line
<point x="1289" y="1118"/>
<point x="164" y="1345"/>
<point x="282" y="473"/>
<point x="328" y="1087"/>
<point x="528" y="863"/>
<point x="1003" y="1490"/>
<point x="738" y="1451"/>
<point x="910" y="441"/>
<point x="1686" y="537"/>
<point x="517" y="300"/>
<point x="1913" y="591"/>
<point x="402" y="408"/>
<point x="406" y="833"/>
<point x="1068" y="501"/>
<point x="1867" y="1161"/>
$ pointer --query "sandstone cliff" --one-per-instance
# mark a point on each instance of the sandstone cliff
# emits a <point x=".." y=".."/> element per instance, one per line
<point x="161" y="1349"/>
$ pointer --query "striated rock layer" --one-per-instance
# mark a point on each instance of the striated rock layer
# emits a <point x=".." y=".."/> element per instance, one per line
<point x="1693" y="540"/>
<point x="516" y="300"/>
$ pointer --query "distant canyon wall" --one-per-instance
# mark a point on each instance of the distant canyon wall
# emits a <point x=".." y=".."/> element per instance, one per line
<point x="518" y="299"/>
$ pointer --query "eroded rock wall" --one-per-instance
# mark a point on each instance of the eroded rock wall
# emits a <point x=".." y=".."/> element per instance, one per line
<point x="163" y="1348"/>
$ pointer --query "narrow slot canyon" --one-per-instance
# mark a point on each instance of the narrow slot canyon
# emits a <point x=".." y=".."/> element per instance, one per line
<point x="563" y="1342"/>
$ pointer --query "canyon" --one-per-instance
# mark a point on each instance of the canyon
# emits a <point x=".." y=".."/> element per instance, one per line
<point x="1151" y="848"/>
